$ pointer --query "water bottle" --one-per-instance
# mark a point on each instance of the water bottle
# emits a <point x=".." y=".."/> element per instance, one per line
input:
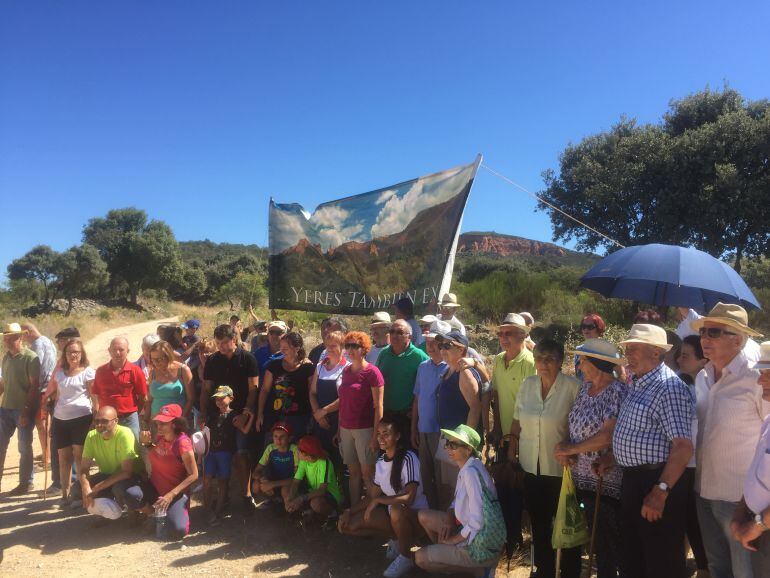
<point x="160" y="523"/>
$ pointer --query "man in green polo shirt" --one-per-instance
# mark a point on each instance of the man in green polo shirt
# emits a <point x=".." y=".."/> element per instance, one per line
<point x="398" y="363"/>
<point x="19" y="386"/>
<point x="512" y="366"/>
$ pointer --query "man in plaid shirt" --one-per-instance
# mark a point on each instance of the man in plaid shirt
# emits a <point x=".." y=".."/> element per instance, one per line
<point x="652" y="443"/>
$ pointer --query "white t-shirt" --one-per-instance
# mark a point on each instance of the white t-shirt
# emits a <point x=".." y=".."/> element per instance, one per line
<point x="333" y="374"/>
<point x="374" y="353"/>
<point x="74" y="400"/>
<point x="410" y="473"/>
<point x="756" y="488"/>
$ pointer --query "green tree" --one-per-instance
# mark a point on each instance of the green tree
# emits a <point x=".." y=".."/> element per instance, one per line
<point x="142" y="255"/>
<point x="39" y="265"/>
<point x="80" y="271"/>
<point x="190" y="285"/>
<point x="700" y="177"/>
<point x="243" y="289"/>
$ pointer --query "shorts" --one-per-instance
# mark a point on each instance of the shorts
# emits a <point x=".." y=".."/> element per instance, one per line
<point x="71" y="432"/>
<point x="218" y="465"/>
<point x="452" y="555"/>
<point x="244" y="444"/>
<point x="354" y="446"/>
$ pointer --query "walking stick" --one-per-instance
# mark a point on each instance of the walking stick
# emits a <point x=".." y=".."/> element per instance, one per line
<point x="46" y="451"/>
<point x="558" y="562"/>
<point x="593" y="528"/>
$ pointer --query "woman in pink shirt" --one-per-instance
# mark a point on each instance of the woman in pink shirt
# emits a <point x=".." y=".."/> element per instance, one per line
<point x="174" y="469"/>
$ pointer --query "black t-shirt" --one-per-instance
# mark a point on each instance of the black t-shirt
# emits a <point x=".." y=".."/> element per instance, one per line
<point x="222" y="432"/>
<point x="290" y="394"/>
<point x="315" y="353"/>
<point x="234" y="372"/>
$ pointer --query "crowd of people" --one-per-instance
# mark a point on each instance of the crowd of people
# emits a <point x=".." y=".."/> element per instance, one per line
<point x="380" y="433"/>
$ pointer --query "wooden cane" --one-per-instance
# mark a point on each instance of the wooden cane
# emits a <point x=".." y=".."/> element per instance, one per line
<point x="558" y="562"/>
<point x="593" y="528"/>
<point x="46" y="455"/>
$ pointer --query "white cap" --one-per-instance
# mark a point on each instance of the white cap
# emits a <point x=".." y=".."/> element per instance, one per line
<point x="106" y="508"/>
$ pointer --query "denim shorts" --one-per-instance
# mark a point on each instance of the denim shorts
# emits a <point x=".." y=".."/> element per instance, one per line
<point x="218" y="464"/>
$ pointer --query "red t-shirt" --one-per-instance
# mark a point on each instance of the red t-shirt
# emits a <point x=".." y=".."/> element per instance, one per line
<point x="122" y="390"/>
<point x="355" y="393"/>
<point x="166" y="460"/>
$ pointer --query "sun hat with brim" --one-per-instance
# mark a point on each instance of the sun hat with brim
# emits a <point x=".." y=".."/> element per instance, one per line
<point x="380" y="318"/>
<point x="466" y="435"/>
<point x="648" y="335"/>
<point x="13" y="329"/>
<point x="438" y="327"/>
<point x="515" y="320"/>
<point x="764" y="356"/>
<point x="728" y="314"/>
<point x="311" y="446"/>
<point x="427" y="319"/>
<point x="279" y="324"/>
<point x="223" y="391"/>
<point x="449" y="300"/>
<point x="106" y="508"/>
<point x="600" y="349"/>
<point x="168" y="413"/>
<point x="528" y="318"/>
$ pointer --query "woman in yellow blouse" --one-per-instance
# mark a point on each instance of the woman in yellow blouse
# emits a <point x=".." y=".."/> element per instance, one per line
<point x="539" y="423"/>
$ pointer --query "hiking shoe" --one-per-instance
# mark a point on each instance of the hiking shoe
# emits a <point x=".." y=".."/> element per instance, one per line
<point x="392" y="552"/>
<point x="400" y="566"/>
<point x="22" y="489"/>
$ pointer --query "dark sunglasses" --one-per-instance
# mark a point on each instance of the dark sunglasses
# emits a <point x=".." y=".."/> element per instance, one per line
<point x="352" y="346"/>
<point x="714" y="332"/>
<point x="397" y="332"/>
<point x="589" y="326"/>
<point x="453" y="445"/>
<point x="445" y="345"/>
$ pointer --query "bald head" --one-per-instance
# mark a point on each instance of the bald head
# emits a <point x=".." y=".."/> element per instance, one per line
<point x="118" y="352"/>
<point x="107" y="412"/>
<point x="32" y="332"/>
<point x="106" y="421"/>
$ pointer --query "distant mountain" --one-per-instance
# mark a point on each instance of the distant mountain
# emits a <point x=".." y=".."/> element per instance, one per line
<point x="491" y="244"/>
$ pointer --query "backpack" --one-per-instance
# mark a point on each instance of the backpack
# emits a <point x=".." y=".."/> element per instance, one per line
<point x="489" y="541"/>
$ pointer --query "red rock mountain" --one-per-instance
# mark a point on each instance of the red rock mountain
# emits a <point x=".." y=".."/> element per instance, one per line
<point x="506" y="245"/>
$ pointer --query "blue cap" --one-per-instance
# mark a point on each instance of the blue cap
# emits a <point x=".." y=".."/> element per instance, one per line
<point x="191" y="324"/>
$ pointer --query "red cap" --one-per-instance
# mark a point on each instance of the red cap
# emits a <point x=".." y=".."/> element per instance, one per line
<point x="311" y="446"/>
<point x="168" y="413"/>
<point x="281" y="425"/>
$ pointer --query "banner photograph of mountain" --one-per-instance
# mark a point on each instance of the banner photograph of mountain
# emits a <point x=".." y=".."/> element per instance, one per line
<point x="361" y="253"/>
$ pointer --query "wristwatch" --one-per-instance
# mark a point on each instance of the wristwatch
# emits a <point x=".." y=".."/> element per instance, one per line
<point x="759" y="521"/>
<point x="663" y="486"/>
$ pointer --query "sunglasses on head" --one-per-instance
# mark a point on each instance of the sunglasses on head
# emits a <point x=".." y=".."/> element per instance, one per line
<point x="714" y="332"/>
<point x="352" y="346"/>
<point x="589" y="326"/>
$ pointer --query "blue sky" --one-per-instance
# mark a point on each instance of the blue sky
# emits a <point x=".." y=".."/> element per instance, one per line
<point x="199" y="112"/>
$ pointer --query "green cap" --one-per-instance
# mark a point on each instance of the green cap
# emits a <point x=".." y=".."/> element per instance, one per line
<point x="466" y="435"/>
<point x="223" y="391"/>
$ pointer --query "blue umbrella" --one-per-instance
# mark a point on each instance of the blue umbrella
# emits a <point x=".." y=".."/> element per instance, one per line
<point x="667" y="275"/>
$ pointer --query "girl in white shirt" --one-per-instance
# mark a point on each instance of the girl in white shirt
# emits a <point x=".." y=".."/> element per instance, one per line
<point x="394" y="499"/>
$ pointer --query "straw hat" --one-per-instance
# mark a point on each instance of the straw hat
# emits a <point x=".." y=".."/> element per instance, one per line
<point x="380" y="318"/>
<point x="466" y="435"/>
<point x="648" y="335"/>
<point x="517" y="321"/>
<point x="12" y="329"/>
<point x="279" y="325"/>
<point x="600" y="349"/>
<point x="727" y="314"/>
<point x="449" y="300"/>
<point x="764" y="356"/>
<point x="528" y="318"/>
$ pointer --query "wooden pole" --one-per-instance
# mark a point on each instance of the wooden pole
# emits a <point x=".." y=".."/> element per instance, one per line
<point x="595" y="522"/>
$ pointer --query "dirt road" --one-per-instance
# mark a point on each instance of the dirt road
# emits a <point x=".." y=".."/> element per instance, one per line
<point x="39" y="538"/>
<point x="97" y="347"/>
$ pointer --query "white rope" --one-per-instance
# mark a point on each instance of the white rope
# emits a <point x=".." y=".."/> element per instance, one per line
<point x="531" y="194"/>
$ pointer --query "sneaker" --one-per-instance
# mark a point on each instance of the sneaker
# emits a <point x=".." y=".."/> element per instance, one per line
<point x="54" y="488"/>
<point x="400" y="566"/>
<point x="22" y="489"/>
<point x="248" y="505"/>
<point x="392" y="552"/>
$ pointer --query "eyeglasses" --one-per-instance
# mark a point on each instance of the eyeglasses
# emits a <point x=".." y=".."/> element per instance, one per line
<point x="74" y="352"/>
<point x="104" y="421"/>
<point x="545" y="358"/>
<point x="714" y="332"/>
<point x="157" y="358"/>
<point x="587" y="326"/>
<point x="397" y="332"/>
<point x="453" y="445"/>
<point x="352" y="346"/>
<point x="516" y="334"/>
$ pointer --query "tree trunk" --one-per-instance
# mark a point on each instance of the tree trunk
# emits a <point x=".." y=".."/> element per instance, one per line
<point x="738" y="257"/>
<point x="69" y="306"/>
<point x="134" y="294"/>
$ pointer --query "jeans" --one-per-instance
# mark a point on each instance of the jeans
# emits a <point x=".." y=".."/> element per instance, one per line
<point x="131" y="421"/>
<point x="9" y="423"/>
<point x="177" y="515"/>
<point x="727" y="557"/>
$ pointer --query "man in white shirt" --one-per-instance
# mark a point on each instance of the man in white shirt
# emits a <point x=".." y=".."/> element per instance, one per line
<point x="730" y="414"/>
<point x="448" y="308"/>
<point x="378" y="329"/>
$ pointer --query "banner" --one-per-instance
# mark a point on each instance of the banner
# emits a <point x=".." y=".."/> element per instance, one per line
<point x="363" y="253"/>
